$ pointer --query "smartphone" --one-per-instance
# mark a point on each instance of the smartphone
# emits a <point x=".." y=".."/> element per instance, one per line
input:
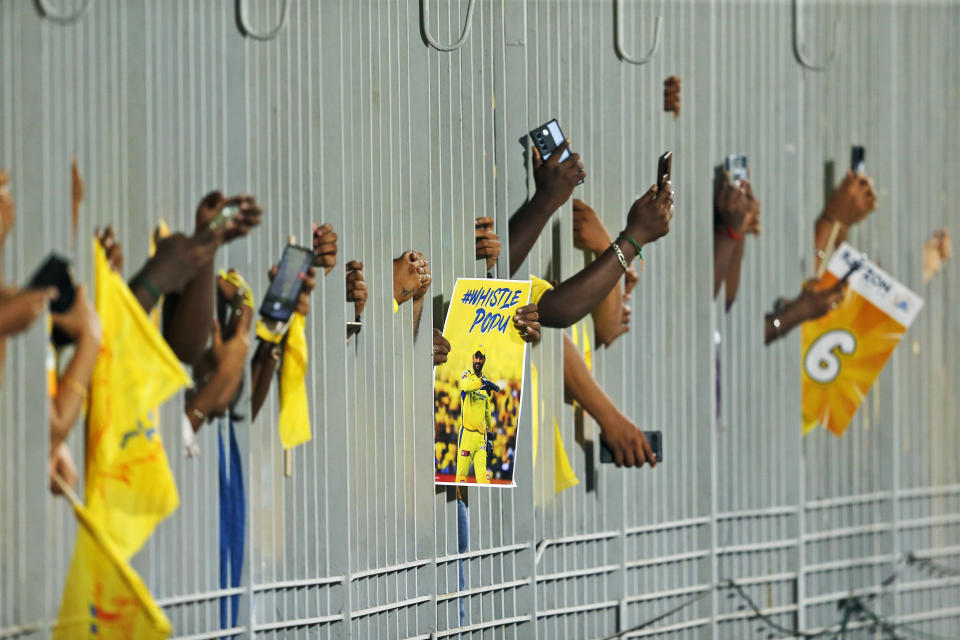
<point x="548" y="137"/>
<point x="229" y="312"/>
<point x="736" y="166"/>
<point x="858" y="162"/>
<point x="226" y="215"/>
<point x="281" y="299"/>
<point x="663" y="169"/>
<point x="55" y="272"/>
<point x="653" y="437"/>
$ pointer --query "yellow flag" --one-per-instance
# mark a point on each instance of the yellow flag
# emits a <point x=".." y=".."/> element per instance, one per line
<point x="294" y="411"/>
<point x="845" y="350"/>
<point x="563" y="475"/>
<point x="103" y="596"/>
<point x="129" y="484"/>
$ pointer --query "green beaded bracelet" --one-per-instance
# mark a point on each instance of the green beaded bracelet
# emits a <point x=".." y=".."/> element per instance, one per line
<point x="636" y="245"/>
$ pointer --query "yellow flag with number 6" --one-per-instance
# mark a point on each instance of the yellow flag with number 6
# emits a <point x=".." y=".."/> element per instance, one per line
<point x="845" y="350"/>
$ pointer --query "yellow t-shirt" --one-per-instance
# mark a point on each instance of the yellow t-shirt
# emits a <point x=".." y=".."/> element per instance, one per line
<point x="539" y="288"/>
<point x="474" y="403"/>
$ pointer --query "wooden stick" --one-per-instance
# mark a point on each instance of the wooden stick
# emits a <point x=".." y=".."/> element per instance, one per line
<point x="67" y="490"/>
<point x="828" y="251"/>
<point x="288" y="463"/>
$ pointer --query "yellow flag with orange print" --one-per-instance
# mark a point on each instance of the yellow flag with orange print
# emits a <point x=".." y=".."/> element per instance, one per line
<point x="104" y="597"/>
<point x="129" y="486"/>
<point x="845" y="350"/>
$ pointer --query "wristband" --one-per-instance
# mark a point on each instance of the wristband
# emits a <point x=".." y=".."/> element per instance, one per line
<point x="143" y="281"/>
<point x="620" y="256"/>
<point x="75" y="386"/>
<point x="636" y="245"/>
<point x="727" y="230"/>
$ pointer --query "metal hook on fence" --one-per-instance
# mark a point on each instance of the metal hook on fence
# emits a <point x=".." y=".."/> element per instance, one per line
<point x="798" y="48"/>
<point x="424" y="30"/>
<point x="618" y="38"/>
<point x="270" y="35"/>
<point x="60" y="18"/>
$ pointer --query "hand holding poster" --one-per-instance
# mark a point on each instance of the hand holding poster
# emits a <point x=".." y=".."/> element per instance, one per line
<point x="845" y="350"/>
<point x="477" y="390"/>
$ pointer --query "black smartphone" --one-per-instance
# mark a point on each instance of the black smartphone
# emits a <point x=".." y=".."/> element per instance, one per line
<point x="281" y="299"/>
<point x="55" y="272"/>
<point x="229" y="312"/>
<point x="858" y="159"/>
<point x="654" y="438"/>
<point x="663" y="169"/>
<point x="547" y="137"/>
<point x="736" y="166"/>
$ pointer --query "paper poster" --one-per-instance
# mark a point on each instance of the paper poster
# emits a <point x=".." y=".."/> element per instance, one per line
<point x="845" y="350"/>
<point x="476" y="391"/>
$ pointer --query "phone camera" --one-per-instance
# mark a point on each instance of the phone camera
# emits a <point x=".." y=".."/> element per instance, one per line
<point x="544" y="133"/>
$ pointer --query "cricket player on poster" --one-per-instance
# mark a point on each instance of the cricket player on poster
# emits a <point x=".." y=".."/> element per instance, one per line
<point x="477" y="391"/>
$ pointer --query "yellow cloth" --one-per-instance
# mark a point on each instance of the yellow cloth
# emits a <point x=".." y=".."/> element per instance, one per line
<point x="129" y="484"/>
<point x="475" y="403"/>
<point x="294" y="410"/>
<point x="266" y="335"/>
<point x="539" y="288"/>
<point x="563" y="475"/>
<point x="587" y="351"/>
<point x="472" y="448"/>
<point x="237" y="280"/>
<point x="396" y="305"/>
<point x="103" y="596"/>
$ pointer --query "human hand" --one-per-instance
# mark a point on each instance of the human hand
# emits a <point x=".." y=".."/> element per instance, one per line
<point x="309" y="282"/>
<point x="80" y="320"/>
<point x="589" y="233"/>
<point x="108" y="240"/>
<point x="487" y="242"/>
<point x="8" y="209"/>
<point x="556" y="180"/>
<point x="441" y="348"/>
<point x="527" y="322"/>
<point x="649" y="217"/>
<point x="489" y="386"/>
<point x="733" y="205"/>
<point x="411" y="276"/>
<point x="61" y="464"/>
<point x="324" y="247"/>
<point x="852" y="201"/>
<point x="627" y="443"/>
<point x="356" y="287"/>
<point x="813" y="303"/>
<point x="232" y="354"/>
<point x="245" y="217"/>
<point x="20" y="309"/>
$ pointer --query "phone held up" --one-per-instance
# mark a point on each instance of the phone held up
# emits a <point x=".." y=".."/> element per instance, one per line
<point x="663" y="169"/>
<point x="654" y="438"/>
<point x="547" y="137"/>
<point x="858" y="159"/>
<point x="736" y="167"/>
<point x="55" y="272"/>
<point x="281" y="299"/>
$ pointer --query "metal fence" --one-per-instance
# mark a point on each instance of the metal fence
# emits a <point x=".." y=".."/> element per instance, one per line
<point x="347" y="116"/>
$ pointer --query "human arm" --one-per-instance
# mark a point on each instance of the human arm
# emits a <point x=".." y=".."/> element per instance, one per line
<point x="850" y="203"/>
<point x="469" y="381"/>
<point x="572" y="299"/>
<point x="629" y="445"/>
<point x="555" y="182"/>
<point x="735" y="213"/>
<point x="81" y="323"/>
<point x="217" y="392"/>
<point x="589" y="234"/>
<point x="809" y="305"/>
<point x="8" y="214"/>
<point x="191" y="310"/>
